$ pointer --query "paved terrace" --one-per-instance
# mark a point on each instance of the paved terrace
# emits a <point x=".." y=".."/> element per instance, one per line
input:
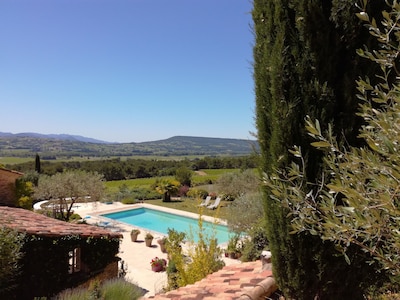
<point x="233" y="280"/>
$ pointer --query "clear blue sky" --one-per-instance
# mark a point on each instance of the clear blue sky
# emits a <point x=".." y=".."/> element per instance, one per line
<point x="127" y="70"/>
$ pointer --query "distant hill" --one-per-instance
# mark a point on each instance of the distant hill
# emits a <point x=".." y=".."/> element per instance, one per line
<point x="67" y="137"/>
<point x="64" y="145"/>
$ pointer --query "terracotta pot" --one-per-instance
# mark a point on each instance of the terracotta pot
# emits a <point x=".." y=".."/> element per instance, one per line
<point x="134" y="236"/>
<point x="161" y="242"/>
<point x="157" y="268"/>
<point x="148" y="242"/>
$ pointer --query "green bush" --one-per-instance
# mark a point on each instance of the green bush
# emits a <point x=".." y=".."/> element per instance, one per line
<point x="256" y="243"/>
<point x="197" y="193"/>
<point x="245" y="212"/>
<point x="120" y="289"/>
<point x="11" y="244"/>
<point x="75" y="217"/>
<point x="116" y="288"/>
<point x="129" y="201"/>
<point x="199" y="260"/>
<point x="144" y="194"/>
<point x="74" y="294"/>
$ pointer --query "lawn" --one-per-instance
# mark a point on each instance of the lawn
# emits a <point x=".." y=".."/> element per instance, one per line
<point x="191" y="205"/>
<point x="15" y="160"/>
<point x="201" y="177"/>
<point x="113" y="186"/>
<point x="201" y="180"/>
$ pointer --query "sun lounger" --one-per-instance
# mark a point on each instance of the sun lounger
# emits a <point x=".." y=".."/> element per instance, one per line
<point x="206" y="201"/>
<point x="215" y="204"/>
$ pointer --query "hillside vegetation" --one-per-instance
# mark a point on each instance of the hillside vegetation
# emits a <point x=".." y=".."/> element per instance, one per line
<point x="52" y="148"/>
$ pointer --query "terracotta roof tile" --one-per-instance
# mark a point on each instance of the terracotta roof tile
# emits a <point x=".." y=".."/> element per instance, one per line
<point x="11" y="171"/>
<point x="30" y="222"/>
<point x="239" y="281"/>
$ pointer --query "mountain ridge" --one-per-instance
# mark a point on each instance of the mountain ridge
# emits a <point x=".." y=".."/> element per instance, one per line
<point x="53" y="145"/>
<point x="60" y="136"/>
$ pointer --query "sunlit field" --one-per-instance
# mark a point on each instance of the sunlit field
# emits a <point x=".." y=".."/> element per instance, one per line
<point x="201" y="177"/>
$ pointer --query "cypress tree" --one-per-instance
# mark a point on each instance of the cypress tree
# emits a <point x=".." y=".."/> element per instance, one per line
<point x="305" y="63"/>
<point x="37" y="164"/>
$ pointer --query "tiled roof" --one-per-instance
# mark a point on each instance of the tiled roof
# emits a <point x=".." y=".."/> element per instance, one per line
<point x="33" y="223"/>
<point x="11" y="171"/>
<point x="238" y="281"/>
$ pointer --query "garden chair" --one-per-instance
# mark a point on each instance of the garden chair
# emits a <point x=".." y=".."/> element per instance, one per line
<point x="215" y="204"/>
<point x="206" y="201"/>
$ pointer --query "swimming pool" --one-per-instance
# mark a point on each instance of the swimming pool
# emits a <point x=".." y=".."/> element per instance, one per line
<point x="160" y="221"/>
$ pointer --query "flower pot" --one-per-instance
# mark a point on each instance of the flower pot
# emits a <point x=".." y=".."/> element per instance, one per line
<point x="148" y="242"/>
<point x="157" y="268"/>
<point x="134" y="236"/>
<point x="161" y="242"/>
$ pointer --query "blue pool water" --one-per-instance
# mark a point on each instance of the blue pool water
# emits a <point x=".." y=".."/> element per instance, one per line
<point x="160" y="221"/>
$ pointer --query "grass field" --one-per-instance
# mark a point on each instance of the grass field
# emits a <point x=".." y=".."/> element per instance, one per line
<point x="203" y="177"/>
<point x="200" y="179"/>
<point x="15" y="160"/>
<point x="191" y="205"/>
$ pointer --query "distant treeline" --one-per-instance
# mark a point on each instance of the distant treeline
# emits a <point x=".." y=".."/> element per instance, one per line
<point x="117" y="169"/>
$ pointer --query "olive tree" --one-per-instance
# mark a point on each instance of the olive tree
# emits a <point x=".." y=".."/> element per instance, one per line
<point x="69" y="187"/>
<point x="236" y="184"/>
<point x="245" y="212"/>
<point x="184" y="176"/>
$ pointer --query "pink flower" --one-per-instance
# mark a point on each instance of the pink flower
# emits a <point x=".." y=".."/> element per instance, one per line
<point x="155" y="262"/>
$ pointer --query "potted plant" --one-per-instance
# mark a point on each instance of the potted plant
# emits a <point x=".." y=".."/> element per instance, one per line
<point x="158" y="264"/>
<point x="148" y="239"/>
<point x="134" y="234"/>
<point x="161" y="242"/>
<point x="232" y="248"/>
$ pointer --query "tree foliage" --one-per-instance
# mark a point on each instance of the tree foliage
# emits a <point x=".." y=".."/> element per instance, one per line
<point x="120" y="169"/>
<point x="37" y="164"/>
<point x="25" y="189"/>
<point x="355" y="201"/>
<point x="166" y="187"/>
<point x="236" y="184"/>
<point x="305" y="63"/>
<point x="184" y="176"/>
<point x="196" y="260"/>
<point x="11" y="243"/>
<point x="67" y="188"/>
<point x="245" y="212"/>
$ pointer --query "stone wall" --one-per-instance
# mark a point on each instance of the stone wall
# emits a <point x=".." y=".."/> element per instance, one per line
<point x="109" y="272"/>
<point x="7" y="186"/>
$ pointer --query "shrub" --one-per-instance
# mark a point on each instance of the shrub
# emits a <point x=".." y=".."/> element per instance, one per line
<point x="256" y="243"/>
<point x="11" y="243"/>
<point x="197" y="193"/>
<point x="129" y="201"/>
<point x="120" y="289"/>
<point x="74" y="294"/>
<point x="202" y="258"/>
<point x="117" y="288"/>
<point x="183" y="191"/>
<point x="174" y="249"/>
<point x="245" y="212"/>
<point x="127" y="196"/>
<point x="75" y="217"/>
